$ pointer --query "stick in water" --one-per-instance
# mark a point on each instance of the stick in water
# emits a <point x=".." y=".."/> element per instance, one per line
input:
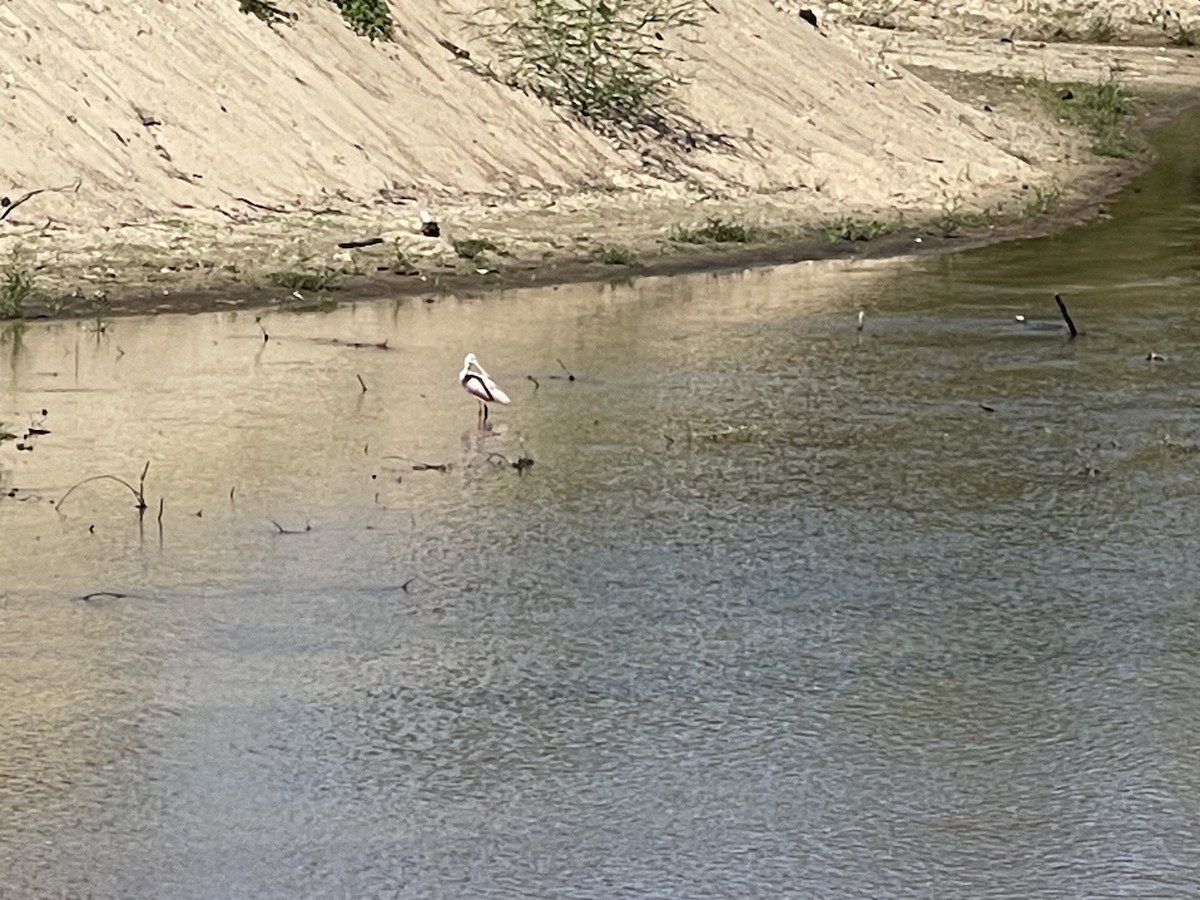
<point x="1062" y="308"/>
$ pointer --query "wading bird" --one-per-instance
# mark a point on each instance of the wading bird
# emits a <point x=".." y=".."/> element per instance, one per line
<point x="478" y="383"/>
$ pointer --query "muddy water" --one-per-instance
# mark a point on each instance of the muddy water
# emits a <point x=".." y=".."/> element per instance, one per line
<point x="780" y="609"/>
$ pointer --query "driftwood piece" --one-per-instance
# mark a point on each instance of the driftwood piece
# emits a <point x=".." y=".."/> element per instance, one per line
<point x="9" y="205"/>
<point x="1062" y="308"/>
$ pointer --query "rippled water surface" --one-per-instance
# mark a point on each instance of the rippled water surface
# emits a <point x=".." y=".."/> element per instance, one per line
<point x="781" y="609"/>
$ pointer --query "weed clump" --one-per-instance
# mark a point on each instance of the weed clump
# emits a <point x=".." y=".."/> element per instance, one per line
<point x="1099" y="108"/>
<point x="299" y="280"/>
<point x="714" y="231"/>
<point x="267" y="12"/>
<point x="616" y="255"/>
<point x="1040" y="200"/>
<point x="469" y="248"/>
<point x="16" y="285"/>
<point x="849" y="228"/>
<point x="370" y="18"/>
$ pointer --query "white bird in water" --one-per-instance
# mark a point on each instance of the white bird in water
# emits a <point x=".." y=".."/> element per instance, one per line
<point x="861" y="317"/>
<point x="478" y="383"/>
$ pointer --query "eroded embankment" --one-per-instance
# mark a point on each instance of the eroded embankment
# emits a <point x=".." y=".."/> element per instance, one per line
<point x="228" y="160"/>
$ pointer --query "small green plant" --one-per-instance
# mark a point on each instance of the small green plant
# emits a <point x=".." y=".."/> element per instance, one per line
<point x="714" y="231"/>
<point x="370" y="18"/>
<point x="955" y="217"/>
<point x="616" y="255"/>
<point x="1181" y="36"/>
<point x="1100" y="30"/>
<point x="324" y="279"/>
<point x="16" y="285"/>
<point x="1040" y="200"/>
<point x="848" y="228"/>
<point x="469" y="248"/>
<point x="1099" y="108"/>
<point x="268" y="12"/>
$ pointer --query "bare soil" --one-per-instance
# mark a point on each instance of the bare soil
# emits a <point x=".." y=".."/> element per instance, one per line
<point x="938" y="140"/>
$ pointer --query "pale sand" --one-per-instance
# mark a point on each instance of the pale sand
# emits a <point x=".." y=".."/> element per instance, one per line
<point x="210" y="150"/>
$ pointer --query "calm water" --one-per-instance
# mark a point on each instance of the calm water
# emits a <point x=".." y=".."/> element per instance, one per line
<point x="781" y="609"/>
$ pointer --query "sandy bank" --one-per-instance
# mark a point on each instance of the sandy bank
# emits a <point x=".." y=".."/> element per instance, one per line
<point x="202" y="158"/>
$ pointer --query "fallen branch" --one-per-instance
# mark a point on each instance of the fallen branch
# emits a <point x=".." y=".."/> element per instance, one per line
<point x="1062" y="308"/>
<point x="522" y="463"/>
<point x="262" y="206"/>
<point x="423" y="467"/>
<point x="358" y="345"/>
<point x="99" y="595"/>
<point x="138" y="492"/>
<point x="282" y="530"/>
<point x="10" y="205"/>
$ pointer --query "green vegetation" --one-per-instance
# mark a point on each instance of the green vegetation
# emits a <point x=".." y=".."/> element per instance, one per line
<point x="714" y="231"/>
<point x="616" y="255"/>
<point x="268" y="12"/>
<point x="848" y="228"/>
<point x="16" y="285"/>
<point x="370" y="18"/>
<point x="1099" y="108"/>
<point x="955" y="217"/>
<point x="469" y="248"/>
<point x="1040" y="200"/>
<point x="1181" y="36"/>
<point x="1100" y="30"/>
<point x="323" y="279"/>
<point x="606" y="60"/>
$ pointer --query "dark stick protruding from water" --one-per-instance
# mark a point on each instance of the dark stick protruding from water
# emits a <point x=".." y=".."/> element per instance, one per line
<point x="1062" y="308"/>
<point x="360" y="381"/>
<point x="570" y="376"/>
<point x="282" y="530"/>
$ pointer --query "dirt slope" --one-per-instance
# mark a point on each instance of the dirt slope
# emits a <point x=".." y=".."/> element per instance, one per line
<point x="189" y="147"/>
<point x="158" y="107"/>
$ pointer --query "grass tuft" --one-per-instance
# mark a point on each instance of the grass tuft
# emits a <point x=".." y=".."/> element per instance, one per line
<point x="16" y="285"/>
<point x="616" y="255"/>
<point x="714" y="231"/>
<point x="370" y="18"/>
<point x="1100" y="108"/>
<point x="299" y="280"/>
<point x="848" y="228"/>
<point x="1100" y="30"/>
<point x="1040" y="200"/>
<point x="469" y="248"/>
<point x="267" y="12"/>
<point x="1181" y="36"/>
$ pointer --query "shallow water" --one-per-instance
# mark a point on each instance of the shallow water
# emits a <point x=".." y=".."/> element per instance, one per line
<point x="780" y="609"/>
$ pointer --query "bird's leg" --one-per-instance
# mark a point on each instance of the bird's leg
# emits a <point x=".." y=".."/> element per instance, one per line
<point x="485" y="412"/>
